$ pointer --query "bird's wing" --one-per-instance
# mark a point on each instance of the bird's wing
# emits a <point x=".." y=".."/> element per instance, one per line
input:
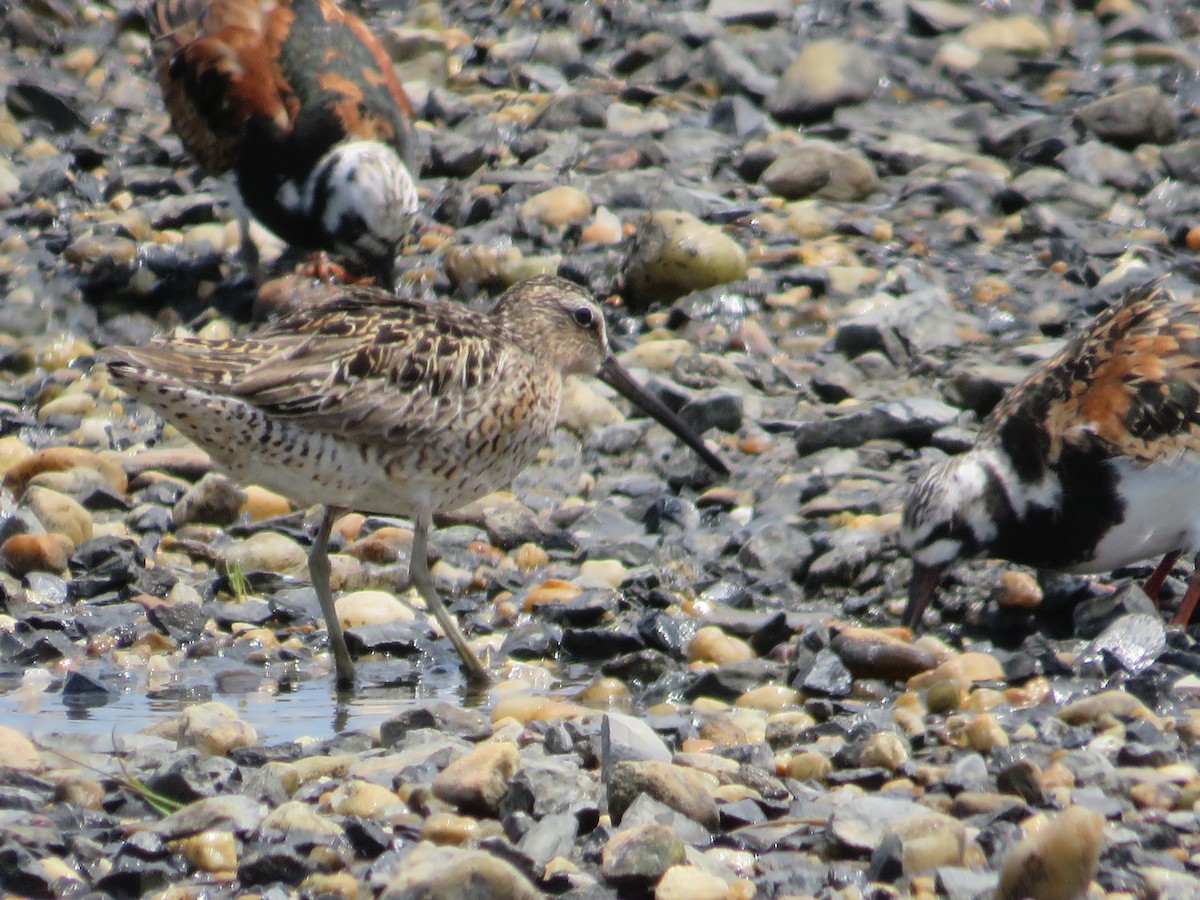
<point x="1128" y="386"/>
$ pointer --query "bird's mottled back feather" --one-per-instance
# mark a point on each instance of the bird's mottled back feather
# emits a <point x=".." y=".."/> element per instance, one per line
<point x="1128" y="386"/>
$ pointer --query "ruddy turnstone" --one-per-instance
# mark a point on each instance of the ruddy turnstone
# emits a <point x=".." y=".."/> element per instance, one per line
<point x="300" y="102"/>
<point x="1090" y="464"/>
<point x="387" y="406"/>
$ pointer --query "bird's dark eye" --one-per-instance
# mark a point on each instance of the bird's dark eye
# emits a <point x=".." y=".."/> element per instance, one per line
<point x="584" y="317"/>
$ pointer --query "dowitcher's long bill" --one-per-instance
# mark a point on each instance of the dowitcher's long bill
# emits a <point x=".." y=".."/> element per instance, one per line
<point x="1090" y="464"/>
<point x="387" y="406"/>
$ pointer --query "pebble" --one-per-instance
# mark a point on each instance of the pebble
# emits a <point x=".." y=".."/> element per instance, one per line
<point x="639" y="856"/>
<point x="358" y="609"/>
<point x="1141" y="115"/>
<point x="711" y="644"/>
<point x="214" y="500"/>
<point x="1056" y="859"/>
<point x="1019" y="35"/>
<point x="673" y="254"/>
<point x="479" y="781"/>
<point x="815" y="169"/>
<point x="17" y="752"/>
<point x="267" y="551"/>
<point x="684" y="790"/>
<point x="557" y="207"/>
<point x="25" y="553"/>
<point x="684" y="882"/>
<point x="213" y="728"/>
<point x="59" y="514"/>
<point x="825" y="74"/>
<point x="261" y="504"/>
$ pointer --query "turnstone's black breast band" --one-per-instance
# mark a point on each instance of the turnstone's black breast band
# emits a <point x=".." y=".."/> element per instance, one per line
<point x="1084" y="466"/>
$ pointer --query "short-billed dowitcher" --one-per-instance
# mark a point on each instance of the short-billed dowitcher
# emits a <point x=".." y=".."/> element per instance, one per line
<point x="1090" y="464"/>
<point x="387" y="406"/>
<point x="299" y="100"/>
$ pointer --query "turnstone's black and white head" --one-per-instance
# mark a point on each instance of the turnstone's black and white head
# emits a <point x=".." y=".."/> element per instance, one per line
<point x="299" y="100"/>
<point x="1090" y="464"/>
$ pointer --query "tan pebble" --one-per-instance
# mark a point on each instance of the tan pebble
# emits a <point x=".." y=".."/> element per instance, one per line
<point x="809" y="765"/>
<point x="658" y="354"/>
<point x="17" y="751"/>
<point x="557" y="207"/>
<point x="81" y="790"/>
<point x="984" y="734"/>
<point x="606" y="693"/>
<point x="349" y="526"/>
<point x="1111" y="703"/>
<point x="338" y="885"/>
<point x="982" y="699"/>
<point x="711" y="644"/>
<point x="209" y="851"/>
<point x="529" y="708"/>
<point x="67" y="405"/>
<point x="12" y="452"/>
<point x="689" y="883"/>
<point x="268" y="551"/>
<point x="990" y="289"/>
<point x="383" y="545"/>
<point x="582" y="408"/>
<point x="1019" y="590"/>
<point x="928" y="841"/>
<point x="674" y="253"/>
<point x="770" y="697"/>
<point x="1056" y="861"/>
<point x="742" y="889"/>
<point x="604" y="228"/>
<point x="58" y="869"/>
<point x="1018" y="34"/>
<point x="1193" y="238"/>
<point x="363" y="799"/>
<point x="263" y="504"/>
<point x="24" y="553"/>
<point x="60" y="513"/>
<point x="478" y="781"/>
<point x="964" y="669"/>
<point x="550" y="591"/>
<point x="530" y="556"/>
<point x="299" y="817"/>
<point x="601" y="573"/>
<point x="447" y="829"/>
<point x="259" y="637"/>
<point x="58" y="459"/>
<point x="721" y="731"/>
<point x="214" y="728"/>
<point x="363" y="608"/>
<point x="885" y="749"/>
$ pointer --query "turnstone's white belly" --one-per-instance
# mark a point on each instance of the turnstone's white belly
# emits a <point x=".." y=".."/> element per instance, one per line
<point x="1162" y="514"/>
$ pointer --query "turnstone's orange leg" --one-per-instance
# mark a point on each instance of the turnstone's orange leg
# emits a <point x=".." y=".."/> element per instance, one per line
<point x="1159" y="575"/>
<point x="1188" y="604"/>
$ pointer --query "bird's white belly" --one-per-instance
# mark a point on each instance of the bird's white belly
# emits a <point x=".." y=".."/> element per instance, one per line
<point x="1162" y="514"/>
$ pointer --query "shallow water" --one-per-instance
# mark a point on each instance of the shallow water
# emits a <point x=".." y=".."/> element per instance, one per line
<point x="311" y="708"/>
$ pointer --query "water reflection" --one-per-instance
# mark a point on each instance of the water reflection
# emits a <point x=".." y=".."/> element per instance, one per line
<point x="283" y="709"/>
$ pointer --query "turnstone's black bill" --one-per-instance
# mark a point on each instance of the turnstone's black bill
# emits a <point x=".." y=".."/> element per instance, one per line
<point x="300" y="102"/>
<point x="1090" y="464"/>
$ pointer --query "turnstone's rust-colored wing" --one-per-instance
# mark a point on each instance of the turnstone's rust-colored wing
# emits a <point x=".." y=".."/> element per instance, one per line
<point x="1128" y="386"/>
<point x="304" y="65"/>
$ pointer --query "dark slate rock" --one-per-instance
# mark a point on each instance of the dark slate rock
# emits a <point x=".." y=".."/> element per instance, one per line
<point x="912" y="421"/>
